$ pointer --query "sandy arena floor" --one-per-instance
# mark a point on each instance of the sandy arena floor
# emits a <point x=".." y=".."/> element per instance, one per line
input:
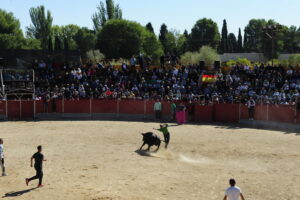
<point x="95" y="160"/>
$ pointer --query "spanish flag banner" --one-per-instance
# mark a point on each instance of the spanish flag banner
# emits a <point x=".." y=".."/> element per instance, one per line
<point x="208" y="78"/>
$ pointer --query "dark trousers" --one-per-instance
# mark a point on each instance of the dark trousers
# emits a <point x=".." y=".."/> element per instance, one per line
<point x="251" y="112"/>
<point x="167" y="139"/>
<point x="158" y="114"/>
<point x="2" y="164"/>
<point x="39" y="175"/>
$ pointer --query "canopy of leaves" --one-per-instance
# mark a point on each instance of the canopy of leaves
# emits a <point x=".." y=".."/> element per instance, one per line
<point x="105" y="13"/>
<point x="11" y="36"/>
<point x="206" y="54"/>
<point x="41" y="25"/>
<point x="151" y="46"/>
<point x="204" y="32"/>
<point x="149" y="27"/>
<point x="242" y="61"/>
<point x="123" y="39"/>
<point x="85" y="39"/>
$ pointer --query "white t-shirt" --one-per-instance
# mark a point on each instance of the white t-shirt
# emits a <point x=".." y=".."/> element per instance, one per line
<point x="1" y="151"/>
<point x="233" y="193"/>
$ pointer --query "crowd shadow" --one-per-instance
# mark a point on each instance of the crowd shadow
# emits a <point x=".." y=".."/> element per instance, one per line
<point x="285" y="130"/>
<point x="18" y="193"/>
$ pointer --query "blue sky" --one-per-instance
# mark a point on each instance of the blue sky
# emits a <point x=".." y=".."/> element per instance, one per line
<point x="177" y="14"/>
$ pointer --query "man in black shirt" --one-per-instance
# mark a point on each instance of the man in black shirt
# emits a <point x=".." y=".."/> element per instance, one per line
<point x="38" y="166"/>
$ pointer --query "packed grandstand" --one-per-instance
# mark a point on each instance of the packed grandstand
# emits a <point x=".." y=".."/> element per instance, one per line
<point x="266" y="84"/>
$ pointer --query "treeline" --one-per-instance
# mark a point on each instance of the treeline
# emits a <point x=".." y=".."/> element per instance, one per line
<point x="119" y="38"/>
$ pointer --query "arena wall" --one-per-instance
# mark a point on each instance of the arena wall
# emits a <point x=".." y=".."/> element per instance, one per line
<point x="89" y="108"/>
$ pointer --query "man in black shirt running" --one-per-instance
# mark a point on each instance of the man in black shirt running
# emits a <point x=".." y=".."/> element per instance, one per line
<point x="38" y="166"/>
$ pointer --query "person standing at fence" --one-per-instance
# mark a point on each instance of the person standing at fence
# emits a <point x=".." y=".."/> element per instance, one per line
<point x="46" y="102"/>
<point x="173" y="110"/>
<point x="2" y="157"/>
<point x="158" y="109"/>
<point x="38" y="158"/>
<point x="233" y="192"/>
<point x="251" y="108"/>
<point x="180" y="114"/>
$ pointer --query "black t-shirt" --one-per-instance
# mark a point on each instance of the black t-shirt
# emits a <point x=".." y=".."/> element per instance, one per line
<point x="38" y="159"/>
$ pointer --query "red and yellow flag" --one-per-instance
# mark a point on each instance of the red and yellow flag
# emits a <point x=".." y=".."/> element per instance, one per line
<point x="209" y="78"/>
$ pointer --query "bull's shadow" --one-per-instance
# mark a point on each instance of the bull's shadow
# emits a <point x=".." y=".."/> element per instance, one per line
<point x="145" y="153"/>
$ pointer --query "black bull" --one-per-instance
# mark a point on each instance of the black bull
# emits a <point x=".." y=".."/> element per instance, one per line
<point x="151" y="139"/>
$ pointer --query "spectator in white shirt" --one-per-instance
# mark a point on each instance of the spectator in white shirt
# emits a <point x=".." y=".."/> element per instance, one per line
<point x="2" y="157"/>
<point x="233" y="192"/>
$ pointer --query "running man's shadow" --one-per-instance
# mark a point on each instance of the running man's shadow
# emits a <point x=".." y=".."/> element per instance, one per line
<point x="18" y="193"/>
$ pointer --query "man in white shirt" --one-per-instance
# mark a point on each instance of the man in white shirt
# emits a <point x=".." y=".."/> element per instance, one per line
<point x="158" y="109"/>
<point x="233" y="192"/>
<point x="2" y="157"/>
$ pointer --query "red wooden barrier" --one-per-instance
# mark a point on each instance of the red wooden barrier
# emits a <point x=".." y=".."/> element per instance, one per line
<point x="77" y="106"/>
<point x="2" y="107"/>
<point x="150" y="107"/>
<point x="39" y="106"/>
<point x="227" y="113"/>
<point x="59" y="106"/>
<point x="217" y="113"/>
<point x="131" y="107"/>
<point x="27" y="110"/>
<point x="166" y="108"/>
<point x="13" y="110"/>
<point x="203" y="113"/>
<point x="281" y="113"/>
<point x="260" y="112"/>
<point x="104" y="106"/>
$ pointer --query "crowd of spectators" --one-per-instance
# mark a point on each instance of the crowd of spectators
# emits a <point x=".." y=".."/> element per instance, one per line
<point x="266" y="84"/>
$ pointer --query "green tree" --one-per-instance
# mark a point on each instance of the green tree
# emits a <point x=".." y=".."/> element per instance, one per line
<point x="224" y="39"/>
<point x="57" y="37"/>
<point x="63" y="37"/>
<point x="120" y="39"/>
<point x="123" y="39"/>
<point x="204" y="32"/>
<point x="206" y="54"/>
<point x="184" y="42"/>
<point x="11" y="36"/>
<point x="253" y="35"/>
<point x="151" y="46"/>
<point x="30" y="43"/>
<point x="41" y="25"/>
<point x="163" y="36"/>
<point x="176" y="43"/>
<point x="68" y="33"/>
<point x="232" y="43"/>
<point x="265" y="42"/>
<point x="292" y="40"/>
<point x="85" y="39"/>
<point x="240" y="42"/>
<point x="149" y="27"/>
<point x="105" y="13"/>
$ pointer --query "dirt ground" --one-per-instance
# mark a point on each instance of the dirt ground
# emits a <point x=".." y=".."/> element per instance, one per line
<point x="97" y="160"/>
